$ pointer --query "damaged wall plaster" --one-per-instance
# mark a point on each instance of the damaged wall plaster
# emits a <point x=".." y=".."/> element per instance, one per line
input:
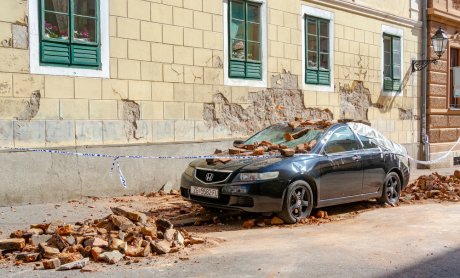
<point x="31" y="107"/>
<point x="131" y="114"/>
<point x="266" y="107"/>
<point x="406" y="114"/>
<point x="355" y="100"/>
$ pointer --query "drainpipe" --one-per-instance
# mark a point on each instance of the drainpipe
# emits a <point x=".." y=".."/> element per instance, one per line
<point x="424" y="135"/>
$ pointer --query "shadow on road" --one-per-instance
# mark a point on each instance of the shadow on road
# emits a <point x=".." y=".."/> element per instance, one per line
<point x="446" y="265"/>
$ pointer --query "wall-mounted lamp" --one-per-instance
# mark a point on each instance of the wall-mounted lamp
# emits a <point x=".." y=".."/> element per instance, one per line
<point x="439" y="43"/>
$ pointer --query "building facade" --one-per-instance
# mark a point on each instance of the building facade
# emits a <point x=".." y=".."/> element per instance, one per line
<point x="443" y="107"/>
<point x="183" y="77"/>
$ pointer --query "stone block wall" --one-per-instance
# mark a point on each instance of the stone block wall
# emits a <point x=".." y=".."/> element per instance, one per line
<point x="166" y="60"/>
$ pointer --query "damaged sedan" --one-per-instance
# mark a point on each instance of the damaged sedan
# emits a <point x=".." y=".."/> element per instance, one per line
<point x="292" y="168"/>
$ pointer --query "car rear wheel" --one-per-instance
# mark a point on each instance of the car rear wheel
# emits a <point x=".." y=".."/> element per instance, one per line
<point x="391" y="189"/>
<point x="298" y="202"/>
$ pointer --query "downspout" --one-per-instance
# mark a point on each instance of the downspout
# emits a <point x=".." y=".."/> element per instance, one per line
<point x="424" y="135"/>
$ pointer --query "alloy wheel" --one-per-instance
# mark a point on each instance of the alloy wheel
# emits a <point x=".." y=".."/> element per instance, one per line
<point x="392" y="189"/>
<point x="299" y="202"/>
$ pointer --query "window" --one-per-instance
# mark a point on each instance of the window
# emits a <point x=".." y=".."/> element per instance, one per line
<point x="245" y="40"/>
<point x="69" y="33"/>
<point x="368" y="143"/>
<point x="454" y="62"/>
<point x="317" y="68"/>
<point x="342" y="140"/>
<point x="391" y="63"/>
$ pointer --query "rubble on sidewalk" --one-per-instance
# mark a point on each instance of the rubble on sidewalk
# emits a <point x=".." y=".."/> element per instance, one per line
<point x="434" y="186"/>
<point x="125" y="233"/>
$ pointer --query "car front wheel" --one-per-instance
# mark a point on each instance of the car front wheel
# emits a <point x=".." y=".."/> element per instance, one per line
<point x="391" y="189"/>
<point x="298" y="202"/>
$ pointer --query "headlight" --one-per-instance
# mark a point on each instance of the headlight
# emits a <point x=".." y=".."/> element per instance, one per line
<point x="190" y="171"/>
<point x="242" y="177"/>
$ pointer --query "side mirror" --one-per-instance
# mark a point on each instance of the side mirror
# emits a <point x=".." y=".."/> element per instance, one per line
<point x="237" y="143"/>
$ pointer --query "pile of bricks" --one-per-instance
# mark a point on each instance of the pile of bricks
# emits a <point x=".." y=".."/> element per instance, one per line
<point x="268" y="148"/>
<point x="123" y="234"/>
<point x="434" y="186"/>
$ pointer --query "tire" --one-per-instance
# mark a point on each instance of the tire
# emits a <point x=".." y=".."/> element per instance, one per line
<point x="298" y="202"/>
<point x="391" y="190"/>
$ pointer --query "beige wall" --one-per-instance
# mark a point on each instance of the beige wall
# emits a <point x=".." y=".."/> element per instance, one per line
<point x="167" y="56"/>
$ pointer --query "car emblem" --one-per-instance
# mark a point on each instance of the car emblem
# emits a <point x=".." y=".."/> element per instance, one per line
<point x="209" y="176"/>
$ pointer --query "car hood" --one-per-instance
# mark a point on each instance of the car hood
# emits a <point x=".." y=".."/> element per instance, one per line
<point x="253" y="164"/>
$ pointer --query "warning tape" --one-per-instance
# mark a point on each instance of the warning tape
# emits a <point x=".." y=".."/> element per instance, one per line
<point x="116" y="158"/>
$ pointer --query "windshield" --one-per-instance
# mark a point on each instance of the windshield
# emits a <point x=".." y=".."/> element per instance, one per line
<point x="276" y="135"/>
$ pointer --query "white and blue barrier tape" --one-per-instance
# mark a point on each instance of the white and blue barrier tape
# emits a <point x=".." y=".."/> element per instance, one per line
<point x="116" y="158"/>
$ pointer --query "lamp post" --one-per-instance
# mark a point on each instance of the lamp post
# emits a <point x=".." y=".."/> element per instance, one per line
<point x="439" y="43"/>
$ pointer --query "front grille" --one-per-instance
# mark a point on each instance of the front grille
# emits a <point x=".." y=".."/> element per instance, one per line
<point x="223" y="199"/>
<point x="243" y="201"/>
<point x="209" y="176"/>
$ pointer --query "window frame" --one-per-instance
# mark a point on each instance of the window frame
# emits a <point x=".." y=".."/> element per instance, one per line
<point x="392" y="64"/>
<point x="318" y="69"/>
<point x="238" y="81"/>
<point x="451" y="87"/>
<point x="325" y="15"/>
<point x="358" y="143"/>
<point x="71" y="42"/>
<point x="35" y="40"/>
<point x="395" y="32"/>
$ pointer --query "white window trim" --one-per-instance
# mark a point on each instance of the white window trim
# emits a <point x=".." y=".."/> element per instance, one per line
<point x="307" y="10"/>
<point x="247" y="82"/>
<point x="34" y="46"/>
<point x="399" y="33"/>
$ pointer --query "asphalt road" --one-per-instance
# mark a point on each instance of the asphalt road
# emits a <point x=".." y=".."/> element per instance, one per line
<point x="408" y="241"/>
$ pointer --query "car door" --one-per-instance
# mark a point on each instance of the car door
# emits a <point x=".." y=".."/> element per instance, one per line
<point x="341" y="166"/>
<point x="373" y="161"/>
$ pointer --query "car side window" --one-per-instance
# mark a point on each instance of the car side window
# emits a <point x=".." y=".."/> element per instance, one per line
<point x="342" y="140"/>
<point x="368" y="143"/>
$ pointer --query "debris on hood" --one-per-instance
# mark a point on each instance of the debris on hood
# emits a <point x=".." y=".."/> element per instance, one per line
<point x="434" y="186"/>
<point x="297" y="129"/>
<point x="125" y="233"/>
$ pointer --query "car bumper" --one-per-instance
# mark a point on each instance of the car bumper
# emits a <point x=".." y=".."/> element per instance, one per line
<point x="263" y="196"/>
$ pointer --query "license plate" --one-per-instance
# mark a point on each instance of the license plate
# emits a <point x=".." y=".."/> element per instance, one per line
<point x="205" y="192"/>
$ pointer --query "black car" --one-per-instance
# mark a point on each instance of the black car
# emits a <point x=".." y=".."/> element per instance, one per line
<point x="350" y="162"/>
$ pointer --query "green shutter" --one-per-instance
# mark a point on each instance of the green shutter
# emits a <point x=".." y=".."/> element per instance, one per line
<point x="387" y="84"/>
<point x="85" y="55"/>
<point x="324" y="77"/>
<point x="55" y="53"/>
<point x="237" y="69"/>
<point x="311" y="76"/>
<point x="253" y="70"/>
<point x="396" y="85"/>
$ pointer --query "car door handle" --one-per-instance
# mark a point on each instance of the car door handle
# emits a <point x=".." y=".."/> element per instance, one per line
<point x="356" y="158"/>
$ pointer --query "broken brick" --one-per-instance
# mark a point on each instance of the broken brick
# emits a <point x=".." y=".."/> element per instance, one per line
<point x="276" y="221"/>
<point x="12" y="244"/>
<point x="122" y="222"/>
<point x="51" y="263"/>
<point x="130" y="214"/>
<point x="248" y="224"/>
<point x="258" y="151"/>
<point x="288" y="137"/>
<point x="287" y="152"/>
